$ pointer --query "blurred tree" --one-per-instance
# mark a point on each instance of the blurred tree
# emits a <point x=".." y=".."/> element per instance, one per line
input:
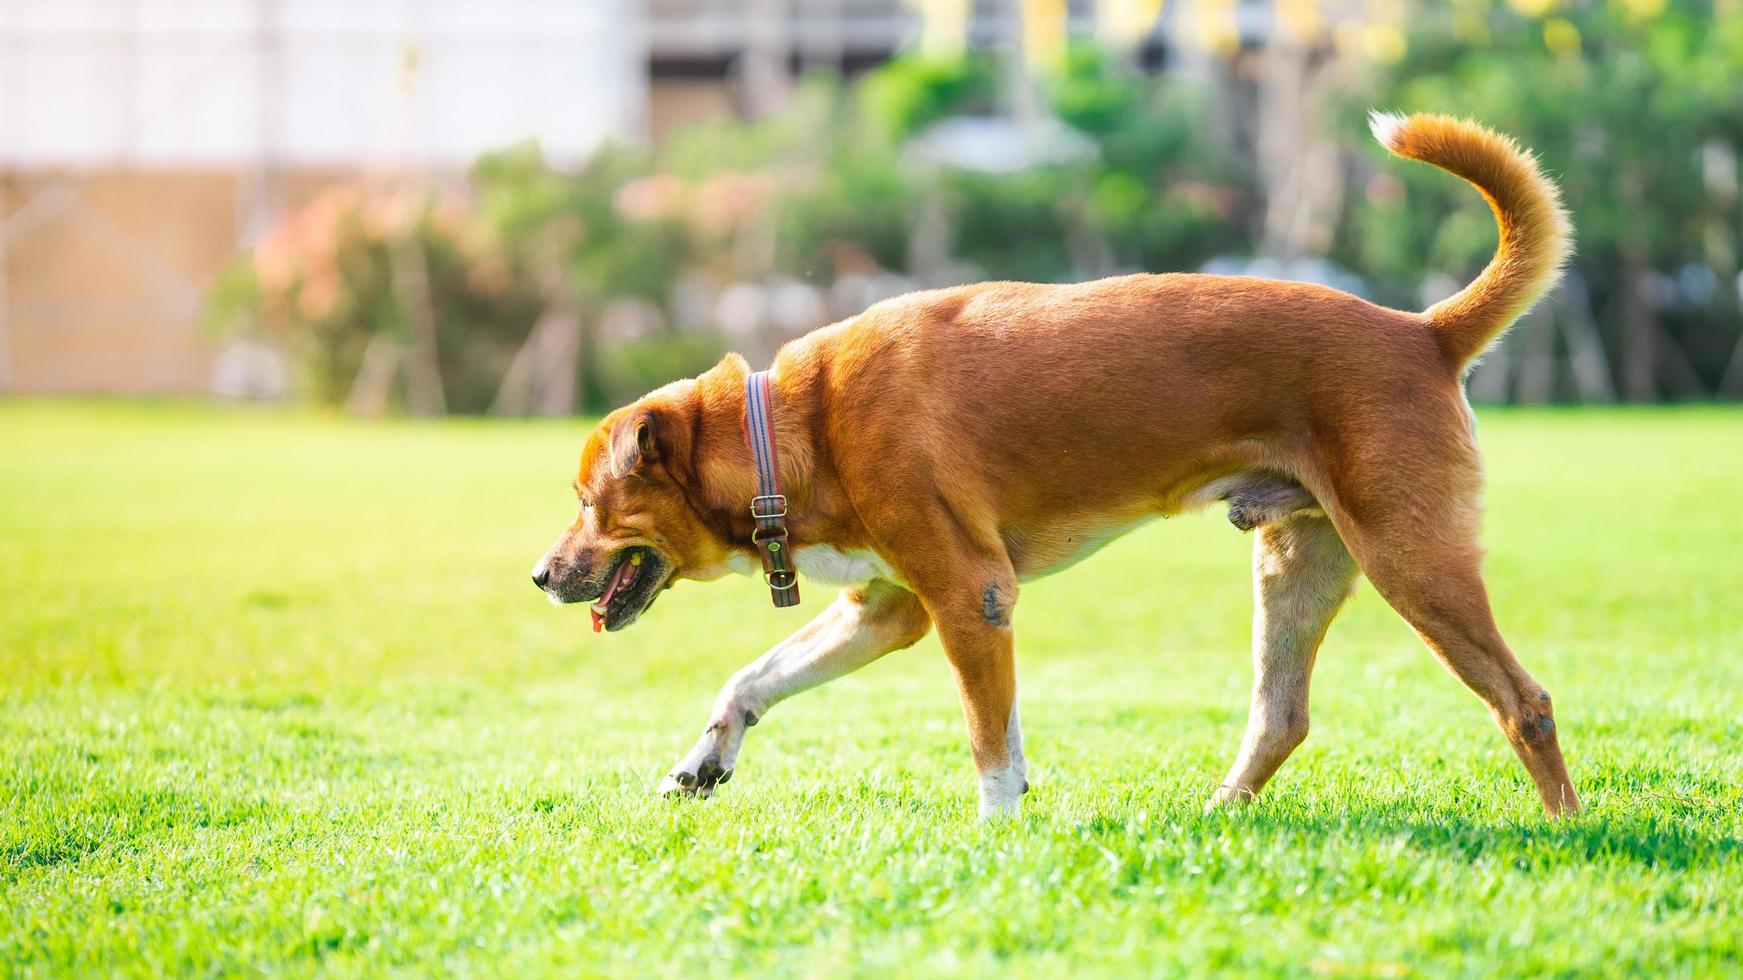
<point x="1162" y="196"/>
<point x="914" y="91"/>
<point x="1635" y="106"/>
<point x="610" y="230"/>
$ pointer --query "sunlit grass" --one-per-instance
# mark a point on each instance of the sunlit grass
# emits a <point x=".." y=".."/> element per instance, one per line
<point x="275" y="694"/>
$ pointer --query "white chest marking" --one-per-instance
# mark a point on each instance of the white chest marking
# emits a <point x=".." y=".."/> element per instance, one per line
<point x="826" y="564"/>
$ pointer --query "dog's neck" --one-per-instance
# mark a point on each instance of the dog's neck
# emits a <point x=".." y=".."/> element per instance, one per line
<point x="818" y="512"/>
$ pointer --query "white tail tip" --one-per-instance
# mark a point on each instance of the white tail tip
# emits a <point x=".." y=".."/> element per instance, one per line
<point x="1385" y="127"/>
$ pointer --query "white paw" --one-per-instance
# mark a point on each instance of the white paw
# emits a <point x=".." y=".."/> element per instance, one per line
<point x="707" y="766"/>
<point x="1001" y="792"/>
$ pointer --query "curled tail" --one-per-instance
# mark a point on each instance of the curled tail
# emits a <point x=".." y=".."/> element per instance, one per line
<point x="1536" y="237"/>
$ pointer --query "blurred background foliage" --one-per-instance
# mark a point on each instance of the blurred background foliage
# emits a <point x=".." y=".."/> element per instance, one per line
<point x="541" y="290"/>
<point x="1637" y="109"/>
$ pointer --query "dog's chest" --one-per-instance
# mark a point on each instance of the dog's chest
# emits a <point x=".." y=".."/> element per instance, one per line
<point x="826" y="564"/>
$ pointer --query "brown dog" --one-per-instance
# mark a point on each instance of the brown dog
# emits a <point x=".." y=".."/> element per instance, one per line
<point x="944" y="446"/>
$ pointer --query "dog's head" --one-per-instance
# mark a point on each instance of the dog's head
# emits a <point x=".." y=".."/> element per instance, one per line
<point x="641" y="527"/>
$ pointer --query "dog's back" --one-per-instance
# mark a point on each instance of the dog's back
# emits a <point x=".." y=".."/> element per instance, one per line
<point x="1177" y="378"/>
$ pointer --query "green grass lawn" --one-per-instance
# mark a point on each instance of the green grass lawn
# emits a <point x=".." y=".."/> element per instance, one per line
<point x="276" y="695"/>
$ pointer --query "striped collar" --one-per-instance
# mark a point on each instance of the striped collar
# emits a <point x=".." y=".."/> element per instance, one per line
<point x="769" y="506"/>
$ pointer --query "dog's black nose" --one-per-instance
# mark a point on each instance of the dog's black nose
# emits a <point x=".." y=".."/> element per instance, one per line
<point x="541" y="576"/>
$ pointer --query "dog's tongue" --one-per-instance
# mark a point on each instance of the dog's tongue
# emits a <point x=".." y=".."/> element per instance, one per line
<point x="625" y="572"/>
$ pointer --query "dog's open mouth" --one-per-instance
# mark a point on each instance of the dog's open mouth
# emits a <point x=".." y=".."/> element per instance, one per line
<point x="633" y="586"/>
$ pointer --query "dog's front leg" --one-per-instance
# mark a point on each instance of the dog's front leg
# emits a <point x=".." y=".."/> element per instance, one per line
<point x="865" y="623"/>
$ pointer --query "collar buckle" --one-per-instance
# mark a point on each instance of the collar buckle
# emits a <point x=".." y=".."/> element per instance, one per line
<point x="773" y="510"/>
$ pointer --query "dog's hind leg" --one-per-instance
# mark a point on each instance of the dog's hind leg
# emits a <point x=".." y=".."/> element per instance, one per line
<point x="1301" y="575"/>
<point x="1446" y="602"/>
<point x="1419" y="548"/>
<point x="859" y="627"/>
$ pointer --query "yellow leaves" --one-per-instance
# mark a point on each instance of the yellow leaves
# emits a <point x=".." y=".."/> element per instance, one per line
<point x="1639" y="10"/>
<point x="1126" y="22"/>
<point x="1300" y="20"/>
<point x="1561" y="37"/>
<point x="1532" y="8"/>
<point x="1044" y="33"/>
<point x="1376" y="34"/>
<point x="1384" y="43"/>
<point x="943" y="25"/>
<point x="1379" y="42"/>
<point x="1214" y="28"/>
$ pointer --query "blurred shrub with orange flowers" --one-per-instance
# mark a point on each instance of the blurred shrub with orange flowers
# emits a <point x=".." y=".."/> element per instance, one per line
<point x="354" y="267"/>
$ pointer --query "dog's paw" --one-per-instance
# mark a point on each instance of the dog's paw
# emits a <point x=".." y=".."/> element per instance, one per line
<point x="1226" y="797"/>
<point x="700" y="780"/>
<point x="704" y="769"/>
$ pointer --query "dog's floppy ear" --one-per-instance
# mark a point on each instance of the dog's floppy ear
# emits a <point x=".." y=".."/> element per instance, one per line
<point x="656" y="429"/>
<point x="633" y="443"/>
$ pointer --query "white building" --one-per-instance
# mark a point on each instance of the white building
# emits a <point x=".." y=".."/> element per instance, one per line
<point x="143" y="141"/>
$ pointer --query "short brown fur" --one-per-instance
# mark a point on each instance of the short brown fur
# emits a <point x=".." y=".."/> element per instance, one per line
<point x="978" y="436"/>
